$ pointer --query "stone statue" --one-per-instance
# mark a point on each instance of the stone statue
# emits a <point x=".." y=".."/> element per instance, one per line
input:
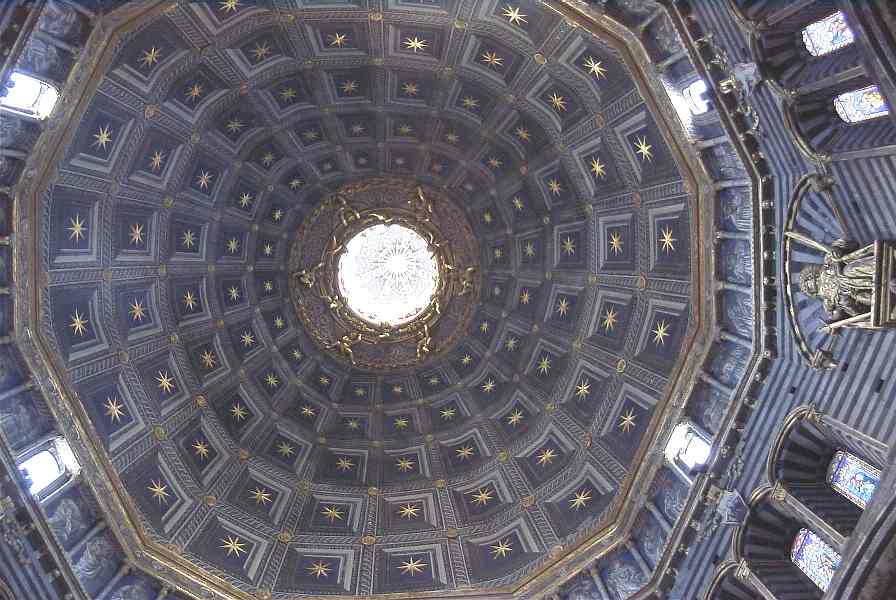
<point x="736" y="208"/>
<point x="844" y="282"/>
<point x="96" y="559"/>
<point x="625" y="579"/>
<point x="134" y="591"/>
<point x="674" y="501"/>
<point x="66" y="521"/>
<point x="653" y="542"/>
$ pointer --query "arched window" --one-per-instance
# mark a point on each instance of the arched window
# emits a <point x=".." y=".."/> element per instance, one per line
<point x="814" y="558"/>
<point x="861" y="105"/>
<point x="852" y="477"/>
<point x="688" y="449"/>
<point x="828" y="34"/>
<point x="30" y="96"/>
<point x="695" y="96"/>
<point x="47" y="466"/>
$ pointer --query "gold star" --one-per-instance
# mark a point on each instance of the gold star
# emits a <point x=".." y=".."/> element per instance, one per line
<point x="288" y="94"/>
<point x="483" y="327"/>
<point x="208" y="359"/>
<point x="233" y="545"/>
<point x="546" y="457"/>
<point x="581" y="498"/>
<point x="324" y="380"/>
<point x="615" y="242"/>
<point x="514" y="16"/>
<point x="311" y="135"/>
<point x="627" y="421"/>
<point x="190" y="301"/>
<point x="353" y="424"/>
<point x="337" y="39"/>
<point x="470" y="103"/>
<point x="568" y="246"/>
<point x="410" y="89"/>
<point x="595" y="67"/>
<point x="204" y="179"/>
<point x="515" y="418"/>
<point x="643" y="148"/>
<point x="434" y="380"/>
<point x="598" y="168"/>
<point x="448" y="413"/>
<point x="233" y="245"/>
<point x="359" y="391"/>
<point x="188" y="240"/>
<point x="522" y="133"/>
<point x="660" y="333"/>
<point x="279" y="323"/>
<point x="583" y="389"/>
<point x="332" y="513"/>
<point x="349" y="87"/>
<point x="499" y="253"/>
<point x="405" y="129"/>
<point x="544" y="365"/>
<point x="79" y="323"/>
<point x="261" y="496"/>
<point x="235" y="125"/>
<point x="228" y="5"/>
<point x="261" y="51"/>
<point x="404" y="464"/>
<point x="159" y="491"/>
<point x="166" y="382"/>
<point x="268" y="159"/>
<point x="501" y="549"/>
<point x="482" y="496"/>
<point x="563" y="306"/>
<point x="136" y="233"/>
<point x="77" y="227"/>
<point x="397" y="389"/>
<point x="296" y="354"/>
<point x="150" y="57"/>
<point x="525" y="297"/>
<point x="409" y="511"/>
<point x="452" y="138"/>
<point x="285" y="450"/>
<point x="155" y="161"/>
<point x="238" y="412"/>
<point x="511" y="344"/>
<point x="464" y="452"/>
<point x="610" y="319"/>
<point x="319" y="569"/>
<point x="308" y="411"/>
<point x="494" y="162"/>
<point x="247" y="338"/>
<point x="358" y="129"/>
<point x="400" y="423"/>
<point x="271" y="380"/>
<point x="102" y="137"/>
<point x="667" y="240"/>
<point x="488" y="386"/>
<point x="233" y="293"/>
<point x="466" y="360"/>
<point x="201" y="449"/>
<point x="411" y="567"/>
<point x="278" y="213"/>
<point x="492" y="59"/>
<point x="554" y="186"/>
<point x="344" y="464"/>
<point x="415" y="44"/>
<point x="137" y="310"/>
<point x="114" y="409"/>
<point x="268" y="249"/>
<point x="194" y="92"/>
<point x="557" y="101"/>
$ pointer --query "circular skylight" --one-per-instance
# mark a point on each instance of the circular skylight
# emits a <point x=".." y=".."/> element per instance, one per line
<point x="387" y="274"/>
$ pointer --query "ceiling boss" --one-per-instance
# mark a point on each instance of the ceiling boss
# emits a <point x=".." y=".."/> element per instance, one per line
<point x="385" y="273"/>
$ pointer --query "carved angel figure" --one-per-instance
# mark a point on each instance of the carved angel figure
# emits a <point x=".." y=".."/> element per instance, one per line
<point x="844" y="282"/>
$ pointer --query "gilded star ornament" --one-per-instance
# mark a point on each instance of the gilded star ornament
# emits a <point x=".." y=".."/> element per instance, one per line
<point x="464" y="452"/>
<point x="501" y="549"/>
<point x="235" y="125"/>
<point x="466" y="360"/>
<point x="511" y="344"/>
<point x="311" y="135"/>
<point x="285" y="450"/>
<point x="563" y="306"/>
<point x="412" y="566"/>
<point x="529" y="249"/>
<point x="323" y="380"/>
<point x="165" y="381"/>
<point x="660" y="332"/>
<point x="358" y="129"/>
<point x="228" y="6"/>
<point x="332" y="513"/>
<point x="245" y="200"/>
<point x="482" y="496"/>
<point x="267" y="249"/>
<point x="194" y="92"/>
<point x="595" y="67"/>
<point x="583" y="389"/>
<point x="515" y="418"/>
<point x="401" y="423"/>
<point x="499" y="253"/>
<point x="451" y="137"/>
<point x="513" y="15"/>
<point x="448" y="413"/>
<point x="409" y="511"/>
<point x="79" y="323"/>
<point x="483" y="327"/>
<point x="233" y="293"/>
<point x="349" y="87"/>
<point x="114" y="409"/>
<point x="353" y="424"/>
<point x="405" y="129"/>
<point x="208" y="359"/>
<point x="517" y="203"/>
<point x="190" y="300"/>
<point x="598" y="168"/>
<point x="158" y="491"/>
<point x="233" y="245"/>
<point x="568" y="246"/>
<point x="627" y="421"/>
<point x="308" y="411"/>
<point x="150" y="57"/>
<point x="580" y="500"/>
<point x="102" y="137"/>
<point x="544" y="365"/>
<point x="410" y="89"/>
<point x="261" y="51"/>
<point x="188" y="239"/>
<point x="238" y="412"/>
<point x="416" y="44"/>
<point x="470" y="103"/>
<point x="522" y="133"/>
<point x="277" y="213"/>
<point x="247" y="338"/>
<point x="492" y="59"/>
<point x="261" y="496"/>
<point x="643" y="149"/>
<point x="546" y="457"/>
<point x="555" y="186"/>
<point x="557" y="101"/>
<point x="288" y="94"/>
<point x="494" y="162"/>
<point x="344" y="464"/>
<point x="667" y="240"/>
<point x="204" y="179"/>
<point x="77" y="228"/>
<point x="404" y="465"/>
<point x="136" y="233"/>
<point x="337" y="40"/>
<point x="319" y="569"/>
<point x="233" y="546"/>
<point x="271" y="380"/>
<point x="156" y="160"/>
<point x="488" y="386"/>
<point x="200" y="448"/>
<point x="616" y="242"/>
<point x="525" y="297"/>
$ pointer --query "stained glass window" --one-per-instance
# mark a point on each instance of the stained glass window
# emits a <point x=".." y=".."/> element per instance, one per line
<point x="44" y="468"/>
<point x="29" y="96"/>
<point x="853" y="477"/>
<point x="861" y="105"/>
<point x="814" y="558"/>
<point x="687" y="447"/>
<point x="827" y="35"/>
<point x="695" y="95"/>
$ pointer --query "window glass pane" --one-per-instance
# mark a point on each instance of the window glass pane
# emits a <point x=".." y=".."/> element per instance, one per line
<point x="694" y="95"/>
<point x="686" y="447"/>
<point x="860" y="105"/>
<point x="827" y="35"/>
<point x="30" y="96"/>
<point x="853" y="477"/>
<point x="41" y="470"/>
<point x="814" y="558"/>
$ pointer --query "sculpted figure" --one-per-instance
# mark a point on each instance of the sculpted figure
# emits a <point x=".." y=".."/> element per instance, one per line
<point x="843" y="283"/>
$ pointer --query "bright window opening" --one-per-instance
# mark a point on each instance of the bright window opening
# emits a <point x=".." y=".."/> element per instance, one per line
<point x="861" y="105"/>
<point x="44" y="468"/>
<point x="828" y="35"/>
<point x="852" y="477"/>
<point x="815" y="558"/>
<point x="687" y="448"/>
<point x="29" y="96"/>
<point x="695" y="96"/>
